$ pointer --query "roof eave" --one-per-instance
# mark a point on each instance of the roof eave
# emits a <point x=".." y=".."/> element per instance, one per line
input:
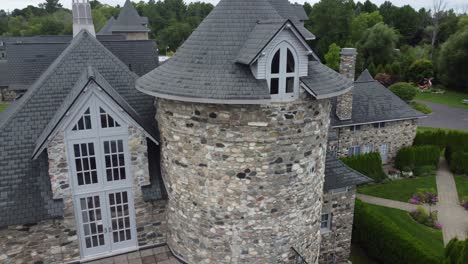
<point x="376" y="121"/>
<point x="325" y="96"/>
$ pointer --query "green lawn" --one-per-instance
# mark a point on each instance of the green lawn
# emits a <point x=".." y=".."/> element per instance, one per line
<point x="3" y="107"/>
<point x="462" y="186"/>
<point x="450" y="98"/>
<point x="421" y="107"/>
<point x="399" y="190"/>
<point x="359" y="256"/>
<point x="429" y="237"/>
<point x="424" y="129"/>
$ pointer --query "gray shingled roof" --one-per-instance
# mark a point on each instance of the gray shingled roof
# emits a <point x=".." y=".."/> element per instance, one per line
<point x="290" y="11"/>
<point x="129" y="20"/>
<point x="339" y="175"/>
<point x="107" y="28"/>
<point x="372" y="102"/>
<point x="365" y="77"/>
<point x="300" y="12"/>
<point x="324" y="82"/>
<point x="25" y="184"/>
<point x="28" y="60"/>
<point x="89" y="75"/>
<point x="204" y="68"/>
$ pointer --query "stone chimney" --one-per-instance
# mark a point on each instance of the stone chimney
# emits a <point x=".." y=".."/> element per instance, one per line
<point x="82" y="18"/>
<point x="344" y="106"/>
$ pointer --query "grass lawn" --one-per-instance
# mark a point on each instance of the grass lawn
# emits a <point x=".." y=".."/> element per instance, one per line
<point x="421" y="107"/>
<point x="424" y="129"/>
<point x="429" y="237"/>
<point x="359" y="256"/>
<point x="3" y="107"/>
<point x="450" y="98"/>
<point x="462" y="186"/>
<point x="399" y="190"/>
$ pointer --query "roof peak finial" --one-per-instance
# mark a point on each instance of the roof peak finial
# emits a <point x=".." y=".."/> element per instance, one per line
<point x="82" y="17"/>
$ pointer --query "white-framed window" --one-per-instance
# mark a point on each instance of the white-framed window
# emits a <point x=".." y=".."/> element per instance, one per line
<point x="355" y="129"/>
<point x="379" y="125"/>
<point x="340" y="190"/>
<point x="325" y="222"/>
<point x="354" y="150"/>
<point x="283" y="77"/>
<point x="367" y="148"/>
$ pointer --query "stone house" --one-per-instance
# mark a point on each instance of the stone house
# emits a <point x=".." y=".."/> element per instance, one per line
<point x="369" y="117"/>
<point x="220" y="153"/>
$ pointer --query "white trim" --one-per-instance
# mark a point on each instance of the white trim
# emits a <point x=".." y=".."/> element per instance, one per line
<point x="386" y="121"/>
<point x="324" y="230"/>
<point x="283" y="47"/>
<point x="325" y="96"/>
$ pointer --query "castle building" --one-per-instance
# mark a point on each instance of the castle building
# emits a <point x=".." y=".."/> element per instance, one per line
<point x="223" y="153"/>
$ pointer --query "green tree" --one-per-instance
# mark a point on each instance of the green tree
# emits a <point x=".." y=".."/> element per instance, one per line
<point x="174" y="35"/>
<point x="332" y="58"/>
<point x="380" y="69"/>
<point x="405" y="91"/>
<point x="51" y="6"/>
<point x="420" y="69"/>
<point x="453" y="57"/>
<point x="377" y="45"/>
<point x="362" y="22"/>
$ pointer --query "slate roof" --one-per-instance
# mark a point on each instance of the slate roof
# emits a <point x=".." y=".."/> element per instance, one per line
<point x="324" y="82"/>
<point x="89" y="75"/>
<point x="339" y="175"/>
<point x="372" y="102"/>
<point x="291" y="12"/>
<point x="204" y="69"/>
<point x="25" y="184"/>
<point x="129" y="20"/>
<point x="300" y="12"/>
<point x="107" y="28"/>
<point x="28" y="60"/>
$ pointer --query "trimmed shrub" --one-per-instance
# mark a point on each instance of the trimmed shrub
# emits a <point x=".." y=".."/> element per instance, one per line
<point x="405" y="91"/>
<point x="417" y="156"/>
<point x="459" y="162"/>
<point x="422" y="171"/>
<point x="456" y="252"/>
<point x="421" y="107"/>
<point x="369" y="164"/>
<point x="385" y="241"/>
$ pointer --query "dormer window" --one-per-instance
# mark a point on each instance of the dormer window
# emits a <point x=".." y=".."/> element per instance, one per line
<point x="283" y="75"/>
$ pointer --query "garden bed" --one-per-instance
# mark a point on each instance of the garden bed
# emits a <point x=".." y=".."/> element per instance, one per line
<point x="399" y="190"/>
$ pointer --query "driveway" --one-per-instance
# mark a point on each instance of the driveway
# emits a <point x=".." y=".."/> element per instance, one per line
<point x="444" y="116"/>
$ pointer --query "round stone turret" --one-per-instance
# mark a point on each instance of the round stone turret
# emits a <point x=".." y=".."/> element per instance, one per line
<point x="244" y="181"/>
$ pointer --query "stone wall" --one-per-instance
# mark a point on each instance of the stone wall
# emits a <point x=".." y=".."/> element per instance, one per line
<point x="245" y="180"/>
<point x="344" y="106"/>
<point x="396" y="134"/>
<point x="7" y="95"/>
<point x="336" y="244"/>
<point x="56" y="241"/>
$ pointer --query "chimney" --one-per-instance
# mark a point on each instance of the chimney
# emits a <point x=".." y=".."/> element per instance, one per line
<point x="344" y="106"/>
<point x="82" y="18"/>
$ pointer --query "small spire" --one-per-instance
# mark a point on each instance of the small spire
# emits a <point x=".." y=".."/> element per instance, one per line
<point x="82" y="17"/>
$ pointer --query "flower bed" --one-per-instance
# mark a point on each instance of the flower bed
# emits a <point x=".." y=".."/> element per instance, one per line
<point x="428" y="219"/>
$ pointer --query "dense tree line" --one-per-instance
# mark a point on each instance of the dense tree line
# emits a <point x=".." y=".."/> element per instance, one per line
<point x="392" y="41"/>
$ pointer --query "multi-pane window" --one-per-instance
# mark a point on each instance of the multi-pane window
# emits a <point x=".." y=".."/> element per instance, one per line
<point x="85" y="163"/>
<point x="114" y="160"/>
<point x="379" y="125"/>
<point x="283" y="73"/>
<point x="107" y="120"/>
<point x="354" y="150"/>
<point x="367" y="148"/>
<point x="325" y="222"/>
<point x="120" y="217"/>
<point x="84" y="123"/>
<point x="92" y="221"/>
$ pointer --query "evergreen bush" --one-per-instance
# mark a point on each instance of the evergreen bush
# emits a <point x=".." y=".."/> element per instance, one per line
<point x="405" y="91"/>
<point x="417" y="156"/>
<point x="369" y="164"/>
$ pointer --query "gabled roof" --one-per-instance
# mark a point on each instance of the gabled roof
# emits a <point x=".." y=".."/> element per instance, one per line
<point x="291" y="12"/>
<point x="29" y="197"/>
<point x="339" y="175"/>
<point x="89" y="75"/>
<point x="129" y="20"/>
<point x="300" y="12"/>
<point x="373" y="102"/>
<point x="262" y="34"/>
<point x="323" y="82"/>
<point x="29" y="59"/>
<point x="107" y="28"/>
<point x="204" y="68"/>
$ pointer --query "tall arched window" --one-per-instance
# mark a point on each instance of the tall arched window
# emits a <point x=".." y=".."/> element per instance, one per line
<point x="283" y="78"/>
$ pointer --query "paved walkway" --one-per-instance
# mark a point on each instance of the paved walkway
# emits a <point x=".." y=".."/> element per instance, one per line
<point x="444" y="116"/>
<point x="157" y="255"/>
<point x="452" y="216"/>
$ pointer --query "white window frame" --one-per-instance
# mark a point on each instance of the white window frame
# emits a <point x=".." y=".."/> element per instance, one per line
<point x="368" y="148"/>
<point x="327" y="221"/>
<point x="282" y="75"/>
<point x="356" y="150"/>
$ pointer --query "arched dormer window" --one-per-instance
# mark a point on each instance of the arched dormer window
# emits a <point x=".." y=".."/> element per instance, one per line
<point x="283" y="74"/>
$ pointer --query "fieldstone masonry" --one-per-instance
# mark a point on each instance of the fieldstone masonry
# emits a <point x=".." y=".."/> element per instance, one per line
<point x="245" y="180"/>
<point x="344" y="106"/>
<point x="56" y="241"/>
<point x="396" y="134"/>
<point x="336" y="244"/>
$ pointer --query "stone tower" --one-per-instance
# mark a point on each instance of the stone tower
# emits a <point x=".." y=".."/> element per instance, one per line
<point x="82" y="17"/>
<point x="243" y="159"/>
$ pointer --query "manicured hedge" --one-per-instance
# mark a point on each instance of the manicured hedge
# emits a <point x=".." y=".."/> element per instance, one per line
<point x="369" y="164"/>
<point x="385" y="241"/>
<point x="417" y="156"/>
<point x="456" y="252"/>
